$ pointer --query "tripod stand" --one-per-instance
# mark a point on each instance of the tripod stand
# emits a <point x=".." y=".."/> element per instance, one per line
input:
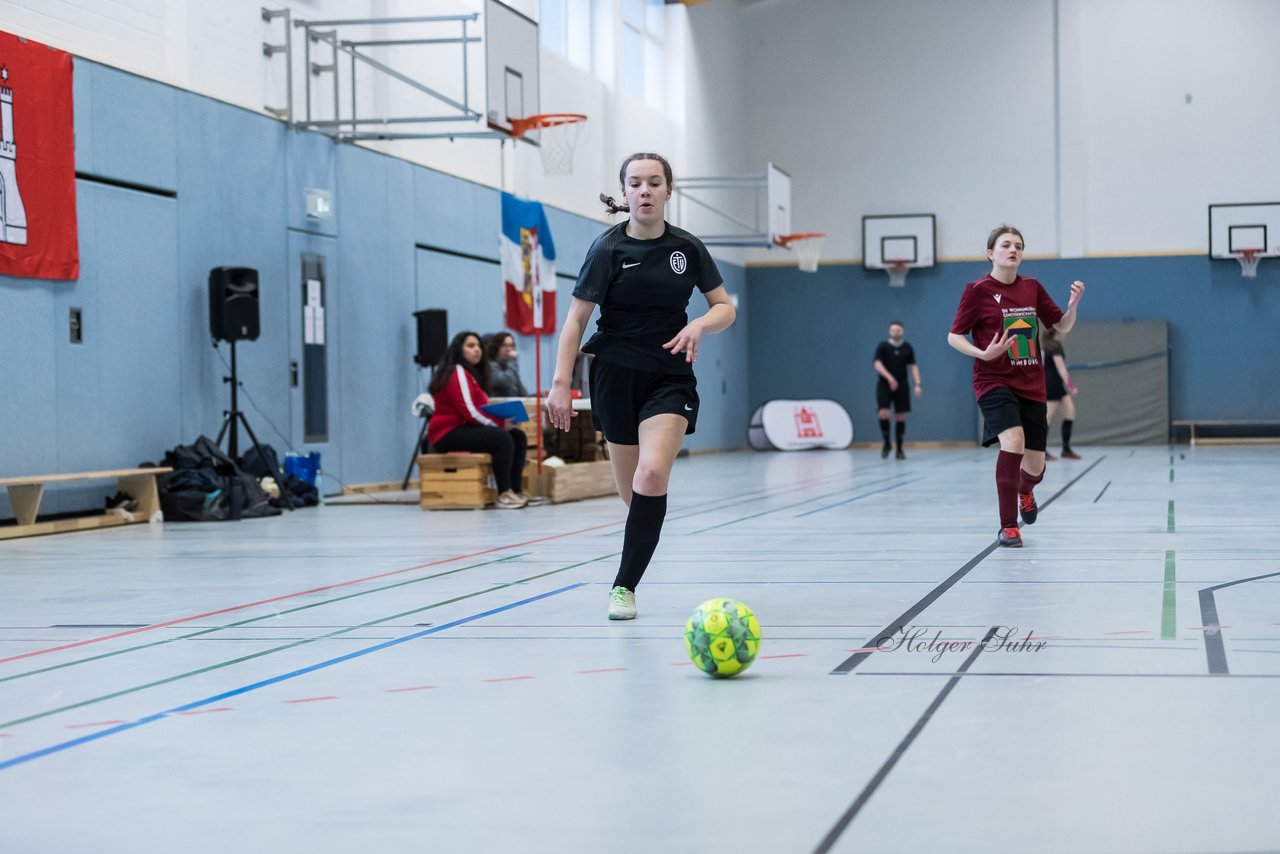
<point x="234" y="417"/>
<point x="417" y="448"/>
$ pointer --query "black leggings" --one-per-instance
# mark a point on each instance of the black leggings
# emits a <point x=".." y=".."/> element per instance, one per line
<point x="506" y="447"/>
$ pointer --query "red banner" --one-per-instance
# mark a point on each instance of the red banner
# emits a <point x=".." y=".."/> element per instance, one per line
<point x="37" y="162"/>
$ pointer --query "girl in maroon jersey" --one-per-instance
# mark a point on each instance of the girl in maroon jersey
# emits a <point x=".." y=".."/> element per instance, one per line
<point x="1003" y="313"/>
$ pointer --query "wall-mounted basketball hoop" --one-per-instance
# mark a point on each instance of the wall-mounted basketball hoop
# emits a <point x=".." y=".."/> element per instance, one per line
<point x="896" y="243"/>
<point x="1243" y="231"/>
<point x="807" y="246"/>
<point x="557" y="135"/>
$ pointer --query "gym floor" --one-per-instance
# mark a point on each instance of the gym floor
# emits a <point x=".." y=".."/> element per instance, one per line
<point x="378" y="678"/>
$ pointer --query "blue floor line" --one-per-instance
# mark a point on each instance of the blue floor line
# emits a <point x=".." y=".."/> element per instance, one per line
<point x="76" y="742"/>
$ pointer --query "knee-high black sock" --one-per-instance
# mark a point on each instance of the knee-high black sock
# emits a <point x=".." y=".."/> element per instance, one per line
<point x="884" y="430"/>
<point x="902" y="429"/>
<point x="1066" y="436"/>
<point x="644" y="526"/>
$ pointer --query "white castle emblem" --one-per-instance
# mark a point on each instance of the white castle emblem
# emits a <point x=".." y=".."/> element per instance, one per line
<point x="13" y="216"/>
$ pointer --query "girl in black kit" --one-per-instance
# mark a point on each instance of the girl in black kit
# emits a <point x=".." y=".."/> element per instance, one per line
<point x="644" y="396"/>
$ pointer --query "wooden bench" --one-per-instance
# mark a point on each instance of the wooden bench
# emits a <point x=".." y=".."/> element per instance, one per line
<point x="25" y="494"/>
<point x="1192" y="423"/>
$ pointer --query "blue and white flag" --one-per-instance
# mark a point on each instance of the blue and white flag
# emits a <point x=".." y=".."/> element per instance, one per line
<point x="528" y="268"/>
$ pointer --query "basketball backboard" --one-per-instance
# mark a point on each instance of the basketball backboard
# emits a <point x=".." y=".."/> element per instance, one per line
<point x="511" y="52"/>
<point x="903" y="238"/>
<point x="1237" y="228"/>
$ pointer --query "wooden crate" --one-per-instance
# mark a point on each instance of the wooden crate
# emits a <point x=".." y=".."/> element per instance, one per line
<point x="571" y="482"/>
<point x="456" y="481"/>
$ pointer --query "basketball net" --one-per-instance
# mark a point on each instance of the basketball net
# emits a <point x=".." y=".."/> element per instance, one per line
<point x="897" y="271"/>
<point x="808" y="248"/>
<point x="559" y="135"/>
<point x="1249" y="259"/>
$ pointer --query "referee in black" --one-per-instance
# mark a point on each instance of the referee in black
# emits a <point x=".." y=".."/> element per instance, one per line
<point x="893" y="357"/>
<point x="644" y="397"/>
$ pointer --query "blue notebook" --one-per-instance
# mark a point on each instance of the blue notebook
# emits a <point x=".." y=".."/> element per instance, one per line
<point x="513" y="409"/>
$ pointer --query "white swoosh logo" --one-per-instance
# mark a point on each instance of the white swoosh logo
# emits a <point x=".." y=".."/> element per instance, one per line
<point x="627" y="266"/>
<point x="688" y="407"/>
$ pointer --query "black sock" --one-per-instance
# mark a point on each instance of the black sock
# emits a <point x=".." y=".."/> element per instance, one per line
<point x="644" y="526"/>
<point x="1066" y="436"/>
<point x="884" y="430"/>
<point x="902" y="429"/>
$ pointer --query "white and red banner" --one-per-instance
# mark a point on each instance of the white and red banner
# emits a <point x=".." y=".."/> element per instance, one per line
<point x="528" y="268"/>
<point x="37" y="162"/>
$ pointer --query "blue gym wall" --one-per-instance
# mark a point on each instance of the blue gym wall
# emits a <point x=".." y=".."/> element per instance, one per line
<point x="823" y="328"/>
<point x="207" y="184"/>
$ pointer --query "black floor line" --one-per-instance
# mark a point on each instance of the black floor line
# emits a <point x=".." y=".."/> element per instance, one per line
<point x="847" y="666"/>
<point x="1214" y="649"/>
<point x="870" y="789"/>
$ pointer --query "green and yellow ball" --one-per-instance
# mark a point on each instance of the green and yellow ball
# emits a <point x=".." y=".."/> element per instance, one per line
<point x="722" y="637"/>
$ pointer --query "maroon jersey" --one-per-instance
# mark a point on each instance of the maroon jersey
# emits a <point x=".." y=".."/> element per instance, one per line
<point x="987" y="308"/>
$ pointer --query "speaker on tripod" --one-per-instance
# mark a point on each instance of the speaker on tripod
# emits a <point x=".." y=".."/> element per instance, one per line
<point x="433" y="340"/>
<point x="233" y="316"/>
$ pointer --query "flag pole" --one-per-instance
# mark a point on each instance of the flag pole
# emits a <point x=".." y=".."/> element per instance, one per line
<point x="537" y="401"/>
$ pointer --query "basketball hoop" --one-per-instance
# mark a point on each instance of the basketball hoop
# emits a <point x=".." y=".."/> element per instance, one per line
<point x="559" y="135"/>
<point x="1248" y="259"/>
<point x="807" y="246"/>
<point x="897" y="271"/>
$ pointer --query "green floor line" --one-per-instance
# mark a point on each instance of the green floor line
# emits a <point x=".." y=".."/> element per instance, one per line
<point x="272" y="616"/>
<point x="1169" y="615"/>
<point x="1171" y="529"/>
<point x="219" y="666"/>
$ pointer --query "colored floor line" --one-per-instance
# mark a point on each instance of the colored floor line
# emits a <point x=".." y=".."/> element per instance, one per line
<point x="274" y="680"/>
<point x="288" y="646"/>
<point x="829" y="841"/>
<point x="868" y="649"/>
<point x="1169" y="607"/>
<point x="1171" y="526"/>
<point x="272" y="616"/>
<point x="858" y="497"/>
<point x="789" y="506"/>
<point x="151" y="627"/>
<point x="286" y="596"/>
<point x="1214" y="649"/>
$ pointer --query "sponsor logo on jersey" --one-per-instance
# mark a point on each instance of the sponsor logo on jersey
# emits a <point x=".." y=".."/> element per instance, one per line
<point x="679" y="263"/>
<point x="997" y="296"/>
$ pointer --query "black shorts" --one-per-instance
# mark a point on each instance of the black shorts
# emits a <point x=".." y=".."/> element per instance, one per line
<point x="621" y="398"/>
<point x="901" y="399"/>
<point x="1002" y="409"/>
<point x="1053" y="388"/>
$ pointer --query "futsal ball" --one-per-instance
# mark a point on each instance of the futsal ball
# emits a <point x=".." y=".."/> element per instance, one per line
<point x="722" y="637"/>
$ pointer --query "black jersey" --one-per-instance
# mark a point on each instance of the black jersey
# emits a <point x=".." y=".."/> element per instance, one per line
<point x="643" y="288"/>
<point x="895" y="359"/>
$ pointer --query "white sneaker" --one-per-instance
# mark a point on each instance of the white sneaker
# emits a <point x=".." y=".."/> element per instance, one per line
<point x="536" y="500"/>
<point x="511" y="500"/>
<point x="622" y="604"/>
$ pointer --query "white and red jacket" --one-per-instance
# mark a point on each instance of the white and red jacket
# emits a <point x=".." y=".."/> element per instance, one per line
<point x="458" y="402"/>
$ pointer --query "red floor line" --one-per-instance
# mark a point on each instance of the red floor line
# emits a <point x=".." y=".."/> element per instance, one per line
<point x="413" y="688"/>
<point x="788" y="655"/>
<point x="511" y="679"/>
<point x="208" y="711"/>
<point x="94" y="723"/>
<point x="310" y="699"/>
<point x="286" y="596"/>
<point x="605" y="670"/>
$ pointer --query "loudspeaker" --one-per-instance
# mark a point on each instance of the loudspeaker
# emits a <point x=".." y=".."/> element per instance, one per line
<point x="433" y="335"/>
<point x="233" y="303"/>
